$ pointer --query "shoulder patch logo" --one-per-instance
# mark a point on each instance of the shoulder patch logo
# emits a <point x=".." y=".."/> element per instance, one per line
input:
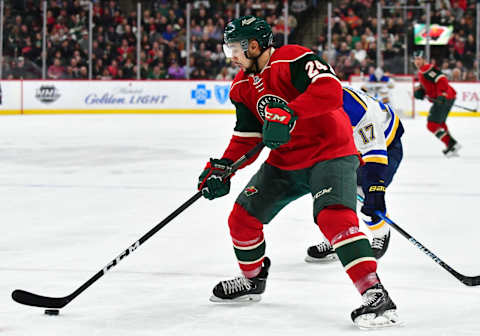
<point x="249" y="191"/>
<point x="263" y="101"/>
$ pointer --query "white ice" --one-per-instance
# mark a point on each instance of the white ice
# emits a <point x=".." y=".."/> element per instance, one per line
<point x="77" y="190"/>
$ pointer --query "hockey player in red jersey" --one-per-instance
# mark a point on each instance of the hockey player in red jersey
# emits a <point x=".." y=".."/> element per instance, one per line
<point x="291" y="100"/>
<point x="434" y="85"/>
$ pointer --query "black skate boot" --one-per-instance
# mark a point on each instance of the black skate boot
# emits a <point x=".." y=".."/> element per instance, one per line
<point x="380" y="245"/>
<point x="321" y="253"/>
<point x="377" y="311"/>
<point x="241" y="289"/>
<point x="452" y="148"/>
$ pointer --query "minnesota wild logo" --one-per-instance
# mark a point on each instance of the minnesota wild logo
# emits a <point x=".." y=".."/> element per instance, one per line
<point x="249" y="191"/>
<point x="264" y="100"/>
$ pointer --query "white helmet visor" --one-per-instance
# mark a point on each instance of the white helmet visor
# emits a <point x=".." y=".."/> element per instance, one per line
<point x="232" y="49"/>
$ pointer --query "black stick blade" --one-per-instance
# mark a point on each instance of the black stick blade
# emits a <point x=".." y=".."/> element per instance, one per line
<point x="471" y="281"/>
<point x="31" y="299"/>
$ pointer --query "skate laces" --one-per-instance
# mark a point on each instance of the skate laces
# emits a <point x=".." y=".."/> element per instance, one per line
<point x="323" y="247"/>
<point x="377" y="243"/>
<point x="237" y="284"/>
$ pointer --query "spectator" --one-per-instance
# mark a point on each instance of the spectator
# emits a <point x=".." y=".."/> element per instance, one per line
<point x="175" y="71"/>
<point x="224" y="75"/>
<point x="113" y="68"/>
<point x="83" y="72"/>
<point x="128" y="69"/>
<point x="19" y="71"/>
<point x="125" y="50"/>
<point x="69" y="73"/>
<point x="471" y="76"/>
<point x="105" y="75"/>
<point x="56" y="70"/>
<point x="168" y="34"/>
<point x="158" y="72"/>
<point x="446" y="70"/>
<point x="360" y="53"/>
<point x="457" y="75"/>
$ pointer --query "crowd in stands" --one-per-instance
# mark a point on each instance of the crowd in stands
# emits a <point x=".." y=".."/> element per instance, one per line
<point x="114" y="47"/>
<point x="163" y="37"/>
<point x="354" y="40"/>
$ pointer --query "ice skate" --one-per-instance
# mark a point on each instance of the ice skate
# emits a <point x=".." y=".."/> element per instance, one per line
<point x="321" y="253"/>
<point x="380" y="245"/>
<point x="242" y="289"/>
<point x="452" y="148"/>
<point x="377" y="311"/>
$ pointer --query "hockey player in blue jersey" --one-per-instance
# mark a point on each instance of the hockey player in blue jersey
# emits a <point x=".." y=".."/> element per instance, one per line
<point x="377" y="134"/>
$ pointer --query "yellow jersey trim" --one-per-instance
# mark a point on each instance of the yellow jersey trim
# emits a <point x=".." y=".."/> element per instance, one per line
<point x="357" y="98"/>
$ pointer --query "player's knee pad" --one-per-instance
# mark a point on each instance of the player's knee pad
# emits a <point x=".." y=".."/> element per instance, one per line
<point x="437" y="129"/>
<point x="433" y="126"/>
<point x="243" y="226"/>
<point x="333" y="220"/>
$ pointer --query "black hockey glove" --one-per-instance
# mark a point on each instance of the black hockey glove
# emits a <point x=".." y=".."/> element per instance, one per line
<point x="211" y="182"/>
<point x="374" y="200"/>
<point x="419" y="93"/>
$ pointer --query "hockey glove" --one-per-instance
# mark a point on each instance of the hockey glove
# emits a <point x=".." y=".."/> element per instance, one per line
<point x="211" y="182"/>
<point x="419" y="93"/>
<point x="279" y="118"/>
<point x="374" y="200"/>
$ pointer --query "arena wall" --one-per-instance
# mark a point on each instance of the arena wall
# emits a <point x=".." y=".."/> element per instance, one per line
<point x="69" y="97"/>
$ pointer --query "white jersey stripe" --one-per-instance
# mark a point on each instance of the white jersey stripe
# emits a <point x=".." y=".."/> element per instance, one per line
<point x="247" y="134"/>
<point x="293" y="60"/>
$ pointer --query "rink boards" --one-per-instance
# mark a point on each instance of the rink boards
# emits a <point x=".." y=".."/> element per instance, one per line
<point x="172" y="96"/>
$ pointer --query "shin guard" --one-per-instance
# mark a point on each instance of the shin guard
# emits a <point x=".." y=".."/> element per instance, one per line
<point x="340" y="226"/>
<point x="248" y="240"/>
<point x="439" y="131"/>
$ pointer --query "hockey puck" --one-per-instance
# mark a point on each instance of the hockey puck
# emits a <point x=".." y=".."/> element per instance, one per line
<point x="52" y="312"/>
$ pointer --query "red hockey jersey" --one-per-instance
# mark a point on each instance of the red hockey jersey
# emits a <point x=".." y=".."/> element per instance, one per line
<point x="435" y="82"/>
<point x="295" y="76"/>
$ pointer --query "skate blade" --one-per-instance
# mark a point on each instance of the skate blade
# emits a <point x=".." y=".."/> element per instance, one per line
<point x="241" y="299"/>
<point x="327" y="260"/>
<point x="371" y="322"/>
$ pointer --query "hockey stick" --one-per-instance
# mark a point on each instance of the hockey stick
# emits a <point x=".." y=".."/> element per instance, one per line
<point x="31" y="299"/>
<point x="467" y="280"/>
<point x="466" y="108"/>
<point x="462" y="107"/>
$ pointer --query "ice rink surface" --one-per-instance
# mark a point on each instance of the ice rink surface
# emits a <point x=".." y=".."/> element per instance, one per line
<point x="77" y="190"/>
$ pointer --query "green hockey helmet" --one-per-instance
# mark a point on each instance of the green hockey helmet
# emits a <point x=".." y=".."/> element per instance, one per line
<point x="248" y="28"/>
<point x="418" y="53"/>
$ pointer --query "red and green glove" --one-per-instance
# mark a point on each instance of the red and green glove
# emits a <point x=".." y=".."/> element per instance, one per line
<point x="279" y="119"/>
<point x="212" y="181"/>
